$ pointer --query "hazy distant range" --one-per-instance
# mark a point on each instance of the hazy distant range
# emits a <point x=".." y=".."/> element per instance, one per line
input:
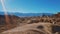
<point x="27" y="14"/>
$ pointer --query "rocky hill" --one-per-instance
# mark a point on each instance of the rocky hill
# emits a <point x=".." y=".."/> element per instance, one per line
<point x="12" y="22"/>
<point x="15" y="21"/>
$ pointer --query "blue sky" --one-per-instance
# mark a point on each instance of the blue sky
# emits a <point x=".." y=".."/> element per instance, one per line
<point x="32" y="6"/>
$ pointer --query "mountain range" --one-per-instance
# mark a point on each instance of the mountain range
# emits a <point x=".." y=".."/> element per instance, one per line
<point x="27" y="14"/>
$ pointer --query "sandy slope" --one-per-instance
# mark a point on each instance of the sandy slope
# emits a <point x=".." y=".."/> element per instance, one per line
<point x="26" y="27"/>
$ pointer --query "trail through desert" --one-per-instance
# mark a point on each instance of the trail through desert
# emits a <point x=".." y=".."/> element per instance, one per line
<point x="28" y="27"/>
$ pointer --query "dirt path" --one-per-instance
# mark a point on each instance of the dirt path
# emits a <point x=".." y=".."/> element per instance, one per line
<point x="29" y="27"/>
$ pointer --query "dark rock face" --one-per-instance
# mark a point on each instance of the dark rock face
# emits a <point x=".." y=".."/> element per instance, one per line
<point x="40" y="27"/>
<point x="55" y="29"/>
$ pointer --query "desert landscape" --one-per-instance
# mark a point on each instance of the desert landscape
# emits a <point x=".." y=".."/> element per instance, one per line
<point x="30" y="25"/>
<point x="29" y="16"/>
